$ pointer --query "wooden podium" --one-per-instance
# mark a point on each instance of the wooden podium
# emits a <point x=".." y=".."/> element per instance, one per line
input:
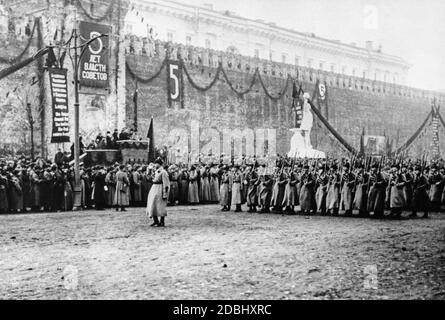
<point x="134" y="150"/>
<point x="129" y="150"/>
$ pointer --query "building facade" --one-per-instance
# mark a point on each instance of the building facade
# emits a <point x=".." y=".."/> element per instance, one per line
<point x="225" y="31"/>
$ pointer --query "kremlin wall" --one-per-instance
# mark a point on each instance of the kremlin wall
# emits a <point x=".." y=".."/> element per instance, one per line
<point x="205" y="121"/>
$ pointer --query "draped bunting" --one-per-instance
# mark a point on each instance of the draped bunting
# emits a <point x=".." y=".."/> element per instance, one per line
<point x="240" y="93"/>
<point x="410" y="141"/>
<point x="146" y="80"/>
<point x="209" y="86"/>
<point x="97" y="19"/>
<point x="331" y="129"/>
<point x="24" y="51"/>
<point x="220" y="71"/>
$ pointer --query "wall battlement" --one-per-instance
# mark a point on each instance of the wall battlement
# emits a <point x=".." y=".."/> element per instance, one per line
<point x="198" y="56"/>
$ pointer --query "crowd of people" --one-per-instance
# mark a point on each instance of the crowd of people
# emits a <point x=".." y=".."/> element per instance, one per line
<point x="110" y="140"/>
<point x="349" y="187"/>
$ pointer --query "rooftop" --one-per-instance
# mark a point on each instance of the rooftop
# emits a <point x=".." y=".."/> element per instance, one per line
<point x="272" y="26"/>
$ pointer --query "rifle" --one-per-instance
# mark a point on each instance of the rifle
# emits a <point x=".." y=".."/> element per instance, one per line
<point x="381" y="164"/>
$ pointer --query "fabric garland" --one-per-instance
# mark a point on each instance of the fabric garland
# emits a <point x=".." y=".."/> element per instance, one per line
<point x="281" y="94"/>
<point x="199" y="88"/>
<point x="240" y="93"/>
<point x="146" y="80"/>
<point x="410" y="141"/>
<point x="219" y="71"/>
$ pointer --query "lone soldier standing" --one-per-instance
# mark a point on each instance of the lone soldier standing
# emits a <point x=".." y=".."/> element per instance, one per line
<point x="158" y="196"/>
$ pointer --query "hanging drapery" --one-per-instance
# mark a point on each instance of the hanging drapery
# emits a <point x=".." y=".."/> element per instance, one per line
<point x="220" y="71"/>
<point x="331" y="129"/>
<point x="410" y="141"/>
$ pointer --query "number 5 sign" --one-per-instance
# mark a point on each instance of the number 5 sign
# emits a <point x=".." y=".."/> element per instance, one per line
<point x="175" y="88"/>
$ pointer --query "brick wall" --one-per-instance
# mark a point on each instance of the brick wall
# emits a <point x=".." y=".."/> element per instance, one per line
<point x="378" y="108"/>
<point x="208" y="117"/>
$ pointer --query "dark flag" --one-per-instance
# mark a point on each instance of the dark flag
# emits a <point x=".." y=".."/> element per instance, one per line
<point x="62" y="59"/>
<point x="320" y="98"/>
<point x="135" y="102"/>
<point x="151" y="146"/>
<point x="51" y="59"/>
<point x="297" y="105"/>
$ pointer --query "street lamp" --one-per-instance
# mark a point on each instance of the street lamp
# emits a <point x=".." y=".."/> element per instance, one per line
<point x="77" y="58"/>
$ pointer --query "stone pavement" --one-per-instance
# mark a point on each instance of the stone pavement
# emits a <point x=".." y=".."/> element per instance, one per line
<point x="207" y="254"/>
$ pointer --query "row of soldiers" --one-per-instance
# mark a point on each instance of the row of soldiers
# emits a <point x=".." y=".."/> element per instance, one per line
<point x="313" y="186"/>
<point x="334" y="187"/>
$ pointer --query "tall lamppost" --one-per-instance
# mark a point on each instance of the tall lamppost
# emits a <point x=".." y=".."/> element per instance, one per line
<point x="76" y="59"/>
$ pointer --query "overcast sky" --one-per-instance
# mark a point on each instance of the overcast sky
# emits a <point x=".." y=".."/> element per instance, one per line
<point x="411" y="29"/>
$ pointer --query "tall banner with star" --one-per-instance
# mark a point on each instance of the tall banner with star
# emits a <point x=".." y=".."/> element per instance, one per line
<point x="94" y="64"/>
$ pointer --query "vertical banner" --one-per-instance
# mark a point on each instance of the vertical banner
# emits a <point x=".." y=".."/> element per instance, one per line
<point x="435" y="143"/>
<point x="297" y="105"/>
<point x="320" y="97"/>
<point x="94" y="63"/>
<point x="59" y="94"/>
<point x="175" y="83"/>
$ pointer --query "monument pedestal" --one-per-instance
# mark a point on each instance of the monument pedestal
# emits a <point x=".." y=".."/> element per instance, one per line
<point x="299" y="149"/>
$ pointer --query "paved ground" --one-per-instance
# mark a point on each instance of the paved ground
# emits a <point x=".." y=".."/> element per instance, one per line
<point x="205" y="254"/>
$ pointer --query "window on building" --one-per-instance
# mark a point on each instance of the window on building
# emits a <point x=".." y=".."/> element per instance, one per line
<point x="271" y="55"/>
<point x="208" y="44"/>
<point x="283" y="58"/>
<point x="309" y="63"/>
<point x="364" y="74"/>
<point x="170" y="36"/>
<point x="297" y="60"/>
<point x="257" y="53"/>
<point x="188" y="40"/>
<point x="321" y="65"/>
<point x="332" y="67"/>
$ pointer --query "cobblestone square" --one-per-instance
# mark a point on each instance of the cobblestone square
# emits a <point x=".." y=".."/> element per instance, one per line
<point x="207" y="254"/>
